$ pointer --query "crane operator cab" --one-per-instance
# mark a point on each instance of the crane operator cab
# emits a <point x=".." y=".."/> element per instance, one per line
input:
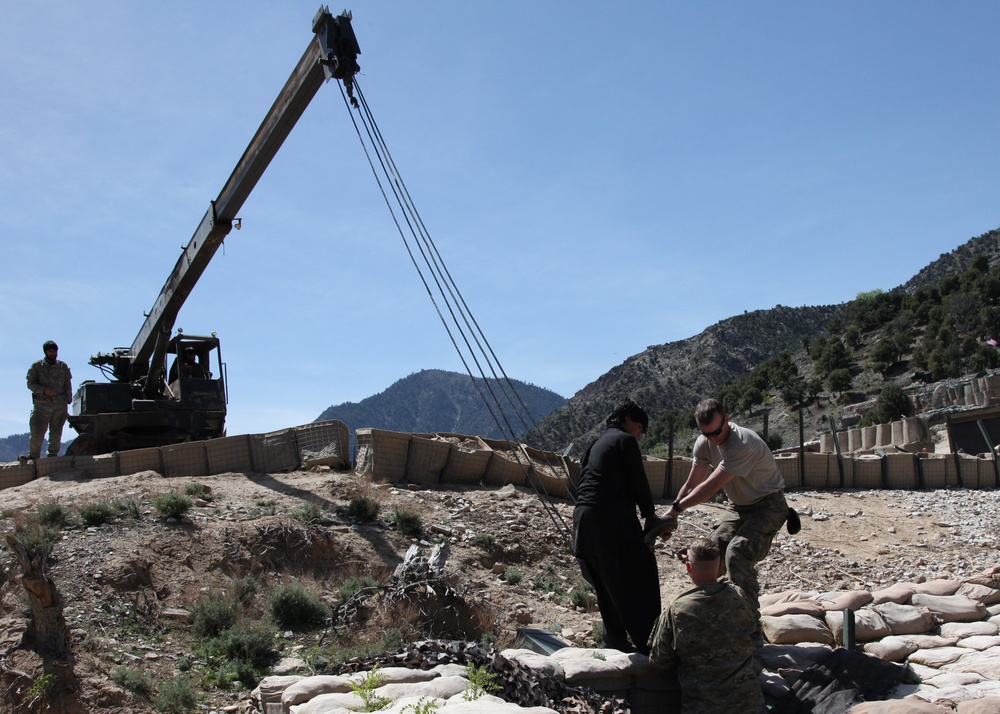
<point x="190" y="377"/>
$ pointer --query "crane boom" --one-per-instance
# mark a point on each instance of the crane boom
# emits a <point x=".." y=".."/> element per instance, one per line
<point x="139" y="407"/>
<point x="332" y="53"/>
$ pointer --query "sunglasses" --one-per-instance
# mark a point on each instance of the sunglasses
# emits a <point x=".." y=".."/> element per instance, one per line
<point x="713" y="434"/>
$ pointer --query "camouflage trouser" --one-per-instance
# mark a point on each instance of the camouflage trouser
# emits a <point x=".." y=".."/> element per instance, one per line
<point x="46" y="415"/>
<point x="744" y="537"/>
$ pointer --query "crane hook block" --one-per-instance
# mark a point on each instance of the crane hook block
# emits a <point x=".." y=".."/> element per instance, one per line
<point x="340" y="46"/>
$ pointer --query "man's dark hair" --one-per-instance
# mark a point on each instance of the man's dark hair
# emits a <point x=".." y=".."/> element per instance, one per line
<point x="49" y="345"/>
<point x="702" y="549"/>
<point x="707" y="409"/>
<point x="631" y="409"/>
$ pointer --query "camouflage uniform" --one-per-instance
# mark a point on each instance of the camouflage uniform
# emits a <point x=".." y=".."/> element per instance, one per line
<point x="757" y="510"/>
<point x="48" y="413"/>
<point x="705" y="633"/>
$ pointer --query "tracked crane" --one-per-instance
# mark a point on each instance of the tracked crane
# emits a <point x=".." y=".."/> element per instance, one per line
<point x="145" y="403"/>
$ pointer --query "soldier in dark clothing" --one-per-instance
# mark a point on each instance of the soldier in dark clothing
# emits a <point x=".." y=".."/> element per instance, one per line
<point x="51" y="385"/>
<point x="607" y="536"/>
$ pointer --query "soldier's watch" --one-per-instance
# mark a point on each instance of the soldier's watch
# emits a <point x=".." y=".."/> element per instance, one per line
<point x="677" y="505"/>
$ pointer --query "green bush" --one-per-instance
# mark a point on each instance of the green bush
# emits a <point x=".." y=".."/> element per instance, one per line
<point x="53" y="513"/>
<point x="244" y="589"/>
<point x="307" y="513"/>
<point x="175" y="696"/>
<point x="96" y="514"/>
<point x="197" y="490"/>
<point x="34" y="535"/>
<point x="350" y="587"/>
<point x="133" y="680"/>
<point x="483" y="540"/>
<point x="583" y="597"/>
<point x="249" y="642"/>
<point x="212" y="614"/>
<point x="364" y="508"/>
<point x="128" y="507"/>
<point x="296" y="607"/>
<point x="172" y="504"/>
<point x="408" y="522"/>
<point x="513" y="576"/>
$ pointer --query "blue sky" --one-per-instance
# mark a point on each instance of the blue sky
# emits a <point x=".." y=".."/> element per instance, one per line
<point x="598" y="177"/>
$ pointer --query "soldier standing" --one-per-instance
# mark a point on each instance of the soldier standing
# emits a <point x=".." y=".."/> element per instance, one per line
<point x="51" y="385"/>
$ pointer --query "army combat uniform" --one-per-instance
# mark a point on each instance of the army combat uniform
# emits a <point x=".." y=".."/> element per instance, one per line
<point x="48" y="413"/>
<point x="705" y="633"/>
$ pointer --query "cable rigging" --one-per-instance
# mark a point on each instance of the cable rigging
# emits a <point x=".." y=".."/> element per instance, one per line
<point x="463" y="330"/>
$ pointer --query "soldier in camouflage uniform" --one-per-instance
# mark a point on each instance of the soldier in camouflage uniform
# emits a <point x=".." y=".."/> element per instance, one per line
<point x="705" y="634"/>
<point x="51" y="385"/>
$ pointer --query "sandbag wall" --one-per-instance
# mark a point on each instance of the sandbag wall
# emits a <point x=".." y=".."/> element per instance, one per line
<point x="912" y="434"/>
<point x="318" y="443"/>
<point x="946" y="629"/>
<point x="429" y="459"/>
<point x="972" y="392"/>
<point x="888" y="471"/>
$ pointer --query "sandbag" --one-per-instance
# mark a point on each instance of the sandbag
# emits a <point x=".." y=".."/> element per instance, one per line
<point x="986" y="664"/>
<point x="986" y="705"/>
<point x="785" y="596"/>
<point x="927" y="642"/>
<point x="898" y="593"/>
<point x="980" y="642"/>
<point x="937" y="657"/>
<point x="951" y="608"/>
<point x="794" y="607"/>
<point x="307" y="688"/>
<point x="980" y="593"/>
<point x="891" y="649"/>
<point x="851" y="600"/>
<point x="790" y="629"/>
<point x="968" y="629"/>
<point x="906" y="619"/>
<point x="910" y="705"/>
<point x="941" y="586"/>
<point x="869" y="625"/>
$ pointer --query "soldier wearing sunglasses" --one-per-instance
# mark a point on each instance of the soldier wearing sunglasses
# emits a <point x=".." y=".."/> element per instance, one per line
<point x="736" y="460"/>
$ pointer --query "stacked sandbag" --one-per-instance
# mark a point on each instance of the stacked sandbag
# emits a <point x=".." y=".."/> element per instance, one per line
<point x="947" y="631"/>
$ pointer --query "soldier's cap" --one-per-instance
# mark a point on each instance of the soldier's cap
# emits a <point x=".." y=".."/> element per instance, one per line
<point x="49" y="345"/>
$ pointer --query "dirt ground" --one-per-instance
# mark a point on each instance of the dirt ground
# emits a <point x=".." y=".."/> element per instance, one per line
<point x="127" y="583"/>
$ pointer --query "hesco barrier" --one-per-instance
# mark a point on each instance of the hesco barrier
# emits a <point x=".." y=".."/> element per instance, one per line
<point x="445" y="458"/>
<point x="317" y="443"/>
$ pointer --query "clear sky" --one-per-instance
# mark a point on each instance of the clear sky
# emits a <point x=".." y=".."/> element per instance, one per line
<point x="599" y="177"/>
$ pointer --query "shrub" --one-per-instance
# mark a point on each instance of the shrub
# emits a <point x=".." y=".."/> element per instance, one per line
<point x="295" y="606"/>
<point x="53" y="513"/>
<point x="245" y="589"/>
<point x="197" y="490"/>
<point x="212" y="614"/>
<point x="128" y="507"/>
<point x="133" y="680"/>
<point x="483" y="540"/>
<point x="364" y="508"/>
<point x="96" y="514"/>
<point x="365" y="689"/>
<point x="408" y="522"/>
<point x="172" y="504"/>
<point x="251" y="642"/>
<point x="350" y="587"/>
<point x="34" y="535"/>
<point x="481" y="681"/>
<point x="175" y="696"/>
<point x="513" y="576"/>
<point x="583" y="597"/>
<point x="308" y="513"/>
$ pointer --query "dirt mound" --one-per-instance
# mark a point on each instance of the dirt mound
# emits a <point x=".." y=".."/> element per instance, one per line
<point x="129" y="584"/>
